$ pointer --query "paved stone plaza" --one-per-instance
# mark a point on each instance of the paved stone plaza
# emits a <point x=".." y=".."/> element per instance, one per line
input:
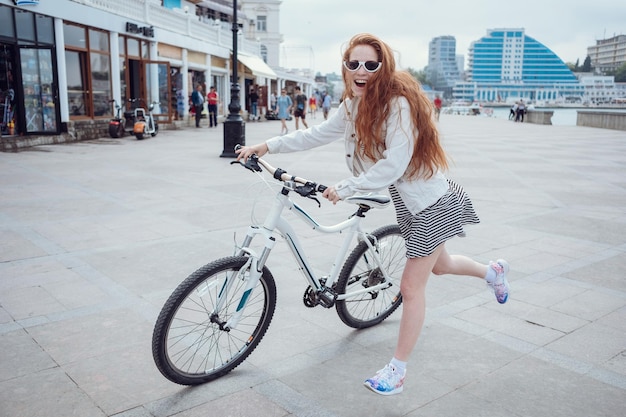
<point x="95" y="236"/>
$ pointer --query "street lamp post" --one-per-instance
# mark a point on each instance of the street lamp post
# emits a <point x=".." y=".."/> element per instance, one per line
<point x="234" y="126"/>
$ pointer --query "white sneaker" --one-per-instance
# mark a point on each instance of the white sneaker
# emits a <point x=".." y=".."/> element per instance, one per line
<point x="387" y="381"/>
<point x="500" y="285"/>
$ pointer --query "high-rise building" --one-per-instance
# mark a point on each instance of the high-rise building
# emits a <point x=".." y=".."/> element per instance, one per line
<point x="508" y="65"/>
<point x="608" y="54"/>
<point x="443" y="70"/>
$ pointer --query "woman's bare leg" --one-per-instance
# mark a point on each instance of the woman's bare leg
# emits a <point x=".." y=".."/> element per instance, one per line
<point x="458" y="265"/>
<point x="413" y="288"/>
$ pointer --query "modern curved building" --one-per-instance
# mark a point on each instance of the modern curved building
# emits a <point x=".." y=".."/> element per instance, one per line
<point x="508" y="65"/>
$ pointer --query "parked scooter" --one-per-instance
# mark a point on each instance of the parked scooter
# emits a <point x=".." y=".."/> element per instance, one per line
<point x="145" y="123"/>
<point x="129" y="116"/>
<point x="116" y="125"/>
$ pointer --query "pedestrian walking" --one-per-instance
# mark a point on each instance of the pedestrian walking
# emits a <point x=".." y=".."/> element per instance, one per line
<point x="283" y="105"/>
<point x="213" y="99"/>
<point x="326" y="103"/>
<point x="300" y="111"/>
<point x="197" y="99"/>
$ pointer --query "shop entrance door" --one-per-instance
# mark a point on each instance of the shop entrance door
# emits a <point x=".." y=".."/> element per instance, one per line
<point x="150" y="81"/>
<point x="39" y="104"/>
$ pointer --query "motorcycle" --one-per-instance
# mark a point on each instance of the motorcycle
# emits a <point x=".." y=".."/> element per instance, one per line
<point x="116" y="125"/>
<point x="145" y="123"/>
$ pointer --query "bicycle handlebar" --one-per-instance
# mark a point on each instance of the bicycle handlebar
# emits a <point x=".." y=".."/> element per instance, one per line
<point x="307" y="189"/>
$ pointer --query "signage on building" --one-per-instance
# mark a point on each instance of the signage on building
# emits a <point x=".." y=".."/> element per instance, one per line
<point x="142" y="30"/>
<point x="26" y="2"/>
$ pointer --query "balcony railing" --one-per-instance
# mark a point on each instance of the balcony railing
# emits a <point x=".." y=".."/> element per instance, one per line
<point x="152" y="13"/>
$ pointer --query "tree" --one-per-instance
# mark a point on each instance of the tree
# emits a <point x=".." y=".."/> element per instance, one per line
<point x="620" y="74"/>
<point x="418" y="75"/>
<point x="587" y="65"/>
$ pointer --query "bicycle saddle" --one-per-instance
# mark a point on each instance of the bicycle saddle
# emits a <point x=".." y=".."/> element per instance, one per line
<point x="372" y="200"/>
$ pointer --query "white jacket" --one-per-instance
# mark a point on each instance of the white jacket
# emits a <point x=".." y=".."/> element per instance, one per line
<point x="375" y="175"/>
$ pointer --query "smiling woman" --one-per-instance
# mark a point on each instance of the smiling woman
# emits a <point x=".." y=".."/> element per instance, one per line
<point x="392" y="142"/>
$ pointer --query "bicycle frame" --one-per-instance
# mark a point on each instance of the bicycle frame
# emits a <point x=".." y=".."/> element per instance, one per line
<point x="275" y="221"/>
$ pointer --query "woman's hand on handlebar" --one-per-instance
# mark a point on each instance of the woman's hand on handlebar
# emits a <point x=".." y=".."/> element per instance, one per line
<point x="244" y="152"/>
<point x="331" y="195"/>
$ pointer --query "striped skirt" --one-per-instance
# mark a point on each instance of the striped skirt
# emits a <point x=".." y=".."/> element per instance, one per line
<point x="443" y="220"/>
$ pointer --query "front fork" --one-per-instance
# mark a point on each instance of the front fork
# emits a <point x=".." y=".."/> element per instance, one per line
<point x="250" y="272"/>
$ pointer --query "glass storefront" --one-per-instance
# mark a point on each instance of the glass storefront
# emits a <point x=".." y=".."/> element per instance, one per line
<point x="39" y="100"/>
<point x="28" y="83"/>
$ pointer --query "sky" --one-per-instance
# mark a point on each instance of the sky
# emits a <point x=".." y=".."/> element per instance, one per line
<point x="314" y="31"/>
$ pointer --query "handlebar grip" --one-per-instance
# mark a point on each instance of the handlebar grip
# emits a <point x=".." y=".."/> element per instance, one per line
<point x="321" y="188"/>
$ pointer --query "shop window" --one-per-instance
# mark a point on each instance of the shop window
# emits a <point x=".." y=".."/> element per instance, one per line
<point x="98" y="40"/>
<point x="75" y="36"/>
<point x="132" y="46"/>
<point x="76" y="66"/>
<point x="45" y="29"/>
<point x="88" y="67"/>
<point x="25" y="24"/>
<point x="100" y="84"/>
<point x="145" y="50"/>
<point x="37" y="76"/>
<point x="6" y="17"/>
<point x="123" y="86"/>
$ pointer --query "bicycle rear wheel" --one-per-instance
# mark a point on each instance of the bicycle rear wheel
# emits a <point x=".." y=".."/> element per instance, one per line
<point x="188" y="345"/>
<point x="360" y="271"/>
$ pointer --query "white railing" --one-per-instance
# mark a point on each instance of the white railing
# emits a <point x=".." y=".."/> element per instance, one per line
<point x="133" y="9"/>
<point x="152" y="13"/>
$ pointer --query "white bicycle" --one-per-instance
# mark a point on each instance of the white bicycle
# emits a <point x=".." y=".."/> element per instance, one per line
<point x="217" y="316"/>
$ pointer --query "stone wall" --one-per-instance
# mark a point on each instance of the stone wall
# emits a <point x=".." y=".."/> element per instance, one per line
<point x="542" y="117"/>
<point x="88" y="129"/>
<point x="602" y="119"/>
<point x="77" y="130"/>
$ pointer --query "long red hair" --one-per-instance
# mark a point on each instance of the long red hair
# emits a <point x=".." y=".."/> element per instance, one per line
<point x="374" y="108"/>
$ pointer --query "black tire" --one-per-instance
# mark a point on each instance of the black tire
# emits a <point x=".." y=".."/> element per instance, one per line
<point x="139" y="136"/>
<point x="359" y="272"/>
<point x="116" y="131"/>
<point x="156" y="129"/>
<point x="188" y="347"/>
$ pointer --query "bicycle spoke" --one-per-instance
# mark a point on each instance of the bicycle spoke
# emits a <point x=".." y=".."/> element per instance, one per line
<point x="189" y="343"/>
<point x="361" y="271"/>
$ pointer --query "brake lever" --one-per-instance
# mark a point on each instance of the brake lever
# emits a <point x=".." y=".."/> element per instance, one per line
<point x="308" y="190"/>
<point x="252" y="164"/>
<point x="315" y="199"/>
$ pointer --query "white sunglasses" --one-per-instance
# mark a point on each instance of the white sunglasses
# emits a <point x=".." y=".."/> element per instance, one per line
<point x="370" y="66"/>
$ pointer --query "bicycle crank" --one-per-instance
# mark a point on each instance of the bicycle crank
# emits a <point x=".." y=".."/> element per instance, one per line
<point x="325" y="297"/>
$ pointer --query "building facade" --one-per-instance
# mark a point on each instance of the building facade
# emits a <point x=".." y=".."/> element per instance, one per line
<point x="63" y="61"/>
<point x="608" y="54"/>
<point x="507" y="65"/>
<point x="443" y="65"/>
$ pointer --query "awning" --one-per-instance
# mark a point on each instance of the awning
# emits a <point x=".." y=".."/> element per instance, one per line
<point x="257" y="66"/>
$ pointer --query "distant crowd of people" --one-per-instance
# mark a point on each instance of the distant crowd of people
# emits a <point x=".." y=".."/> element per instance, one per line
<point x="282" y="107"/>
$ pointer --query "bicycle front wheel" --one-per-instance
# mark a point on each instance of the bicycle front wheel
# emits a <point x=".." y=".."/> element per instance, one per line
<point x="361" y="271"/>
<point x="190" y="344"/>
